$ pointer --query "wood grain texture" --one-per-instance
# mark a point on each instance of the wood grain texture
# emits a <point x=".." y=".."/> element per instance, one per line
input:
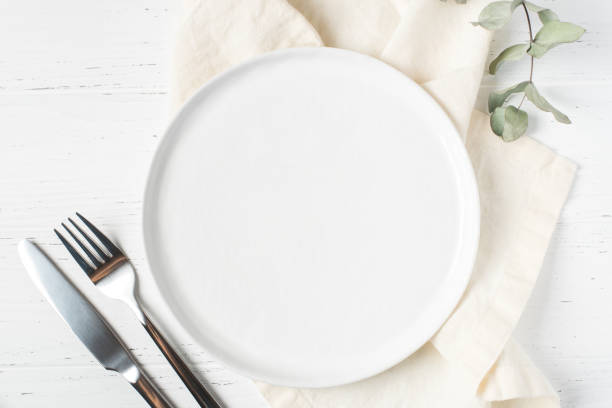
<point x="79" y="78"/>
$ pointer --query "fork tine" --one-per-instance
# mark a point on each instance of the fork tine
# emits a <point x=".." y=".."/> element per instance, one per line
<point x="105" y="241"/>
<point x="77" y="257"/>
<point x="91" y="256"/>
<point x="91" y="241"/>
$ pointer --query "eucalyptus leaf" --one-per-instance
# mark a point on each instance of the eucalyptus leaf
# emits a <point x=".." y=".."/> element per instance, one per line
<point x="554" y="33"/>
<point x="509" y="123"/>
<point x="495" y="15"/>
<point x="538" y="100"/>
<point x="498" y="120"/>
<point x="512" y="53"/>
<point x="544" y="14"/>
<point x="497" y="99"/>
<point x="547" y="15"/>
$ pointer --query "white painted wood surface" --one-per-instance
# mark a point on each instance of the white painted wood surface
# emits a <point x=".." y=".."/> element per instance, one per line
<point x="83" y="98"/>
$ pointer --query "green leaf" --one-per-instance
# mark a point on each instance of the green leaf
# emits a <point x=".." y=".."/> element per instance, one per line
<point x="512" y="53"/>
<point x="498" y="121"/>
<point x="497" y="14"/>
<point x="497" y="99"/>
<point x="509" y="123"/>
<point x="544" y="14"/>
<point x="552" y="34"/>
<point x="538" y="100"/>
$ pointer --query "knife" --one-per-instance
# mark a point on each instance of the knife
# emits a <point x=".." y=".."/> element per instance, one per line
<point x="85" y="321"/>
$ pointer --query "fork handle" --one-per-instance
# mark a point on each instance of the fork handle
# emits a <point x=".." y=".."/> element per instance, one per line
<point x="201" y="395"/>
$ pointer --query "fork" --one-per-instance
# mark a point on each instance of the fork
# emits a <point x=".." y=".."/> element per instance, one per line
<point x="114" y="275"/>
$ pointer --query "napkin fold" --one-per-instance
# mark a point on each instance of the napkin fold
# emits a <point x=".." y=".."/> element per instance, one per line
<point x="472" y="361"/>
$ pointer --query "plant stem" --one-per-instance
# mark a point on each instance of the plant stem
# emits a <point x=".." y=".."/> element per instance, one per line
<point x="530" y="42"/>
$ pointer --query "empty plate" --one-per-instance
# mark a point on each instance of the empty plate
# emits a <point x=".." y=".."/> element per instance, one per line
<point x="311" y="217"/>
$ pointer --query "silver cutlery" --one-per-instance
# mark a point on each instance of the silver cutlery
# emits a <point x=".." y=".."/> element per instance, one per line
<point x="85" y="321"/>
<point x="114" y="275"/>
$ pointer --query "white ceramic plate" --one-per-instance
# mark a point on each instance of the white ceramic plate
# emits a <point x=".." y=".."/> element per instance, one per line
<point x="311" y="217"/>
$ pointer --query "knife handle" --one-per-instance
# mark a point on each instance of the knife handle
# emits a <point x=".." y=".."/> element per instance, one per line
<point x="150" y="394"/>
<point x="201" y="395"/>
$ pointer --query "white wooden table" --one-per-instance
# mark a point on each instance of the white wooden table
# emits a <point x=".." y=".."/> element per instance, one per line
<point x="83" y="102"/>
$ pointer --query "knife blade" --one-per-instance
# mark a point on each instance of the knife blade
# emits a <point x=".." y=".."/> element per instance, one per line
<point x="86" y="322"/>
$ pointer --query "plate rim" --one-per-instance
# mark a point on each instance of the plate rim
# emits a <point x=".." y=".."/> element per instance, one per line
<point x="471" y="211"/>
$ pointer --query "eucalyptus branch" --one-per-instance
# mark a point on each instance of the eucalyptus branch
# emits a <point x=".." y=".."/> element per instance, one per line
<point x="507" y="121"/>
<point x="531" y="56"/>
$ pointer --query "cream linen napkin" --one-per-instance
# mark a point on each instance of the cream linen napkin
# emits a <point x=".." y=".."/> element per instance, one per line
<point x="471" y="361"/>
